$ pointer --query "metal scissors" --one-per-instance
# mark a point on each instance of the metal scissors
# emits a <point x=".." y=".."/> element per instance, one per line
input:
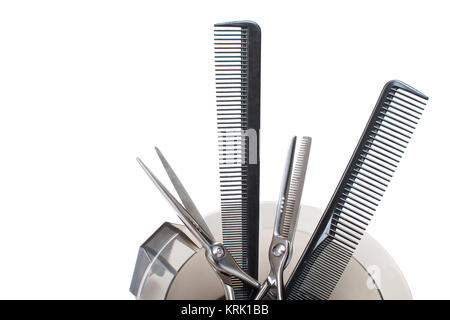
<point x="280" y="249"/>
<point x="216" y="254"/>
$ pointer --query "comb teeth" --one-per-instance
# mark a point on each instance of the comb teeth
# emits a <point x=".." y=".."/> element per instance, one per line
<point x="237" y="70"/>
<point x="288" y="225"/>
<point x="318" y="280"/>
<point x="231" y="54"/>
<point x="231" y="57"/>
<point x="355" y="200"/>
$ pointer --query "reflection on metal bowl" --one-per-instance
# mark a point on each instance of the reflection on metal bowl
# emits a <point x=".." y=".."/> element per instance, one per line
<point x="171" y="266"/>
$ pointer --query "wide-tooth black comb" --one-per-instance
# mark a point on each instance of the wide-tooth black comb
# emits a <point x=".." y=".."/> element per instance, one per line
<point x="237" y="48"/>
<point x="361" y="187"/>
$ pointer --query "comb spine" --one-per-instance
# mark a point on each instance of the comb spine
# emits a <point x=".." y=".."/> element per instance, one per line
<point x="254" y="85"/>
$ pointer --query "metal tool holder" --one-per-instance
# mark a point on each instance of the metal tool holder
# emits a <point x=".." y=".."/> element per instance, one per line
<point x="371" y="274"/>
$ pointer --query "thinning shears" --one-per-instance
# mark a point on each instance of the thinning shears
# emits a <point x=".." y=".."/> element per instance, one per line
<point x="280" y="249"/>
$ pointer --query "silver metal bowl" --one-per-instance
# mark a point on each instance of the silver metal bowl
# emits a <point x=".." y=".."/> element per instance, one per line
<point x="170" y="264"/>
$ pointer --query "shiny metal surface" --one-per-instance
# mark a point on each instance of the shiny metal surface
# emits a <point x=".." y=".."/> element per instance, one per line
<point x="286" y="217"/>
<point x="159" y="260"/>
<point x="216" y="254"/>
<point x="184" y="196"/>
<point x="194" y="279"/>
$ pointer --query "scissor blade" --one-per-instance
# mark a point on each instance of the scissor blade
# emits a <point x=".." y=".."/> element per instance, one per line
<point x="184" y="196"/>
<point x="182" y="213"/>
<point x="296" y="188"/>
<point x="284" y="193"/>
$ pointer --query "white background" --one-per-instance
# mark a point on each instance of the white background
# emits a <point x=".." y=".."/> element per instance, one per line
<point x="86" y="86"/>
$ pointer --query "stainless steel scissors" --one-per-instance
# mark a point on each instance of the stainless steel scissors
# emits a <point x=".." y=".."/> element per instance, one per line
<point x="216" y="254"/>
<point x="286" y="218"/>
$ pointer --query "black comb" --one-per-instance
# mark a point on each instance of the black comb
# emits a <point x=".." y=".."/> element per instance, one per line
<point x="237" y="48"/>
<point x="361" y="187"/>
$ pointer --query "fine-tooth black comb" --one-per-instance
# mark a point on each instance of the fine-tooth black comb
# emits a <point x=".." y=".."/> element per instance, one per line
<point x="237" y="48"/>
<point x="361" y="187"/>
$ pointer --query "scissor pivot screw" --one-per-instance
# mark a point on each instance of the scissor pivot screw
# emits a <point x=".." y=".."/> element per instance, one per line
<point x="279" y="250"/>
<point x="218" y="252"/>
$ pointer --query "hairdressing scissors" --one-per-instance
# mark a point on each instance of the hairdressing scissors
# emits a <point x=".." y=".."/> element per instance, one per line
<point x="280" y="249"/>
<point x="216" y="254"/>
